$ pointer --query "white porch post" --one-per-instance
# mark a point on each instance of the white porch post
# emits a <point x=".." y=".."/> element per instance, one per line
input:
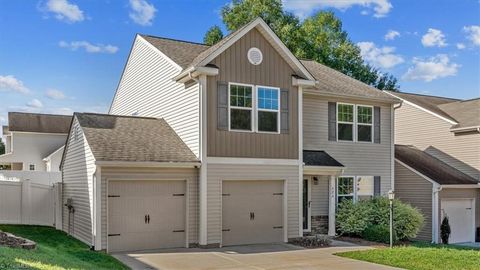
<point x="203" y="157"/>
<point x="331" y="206"/>
<point x="98" y="209"/>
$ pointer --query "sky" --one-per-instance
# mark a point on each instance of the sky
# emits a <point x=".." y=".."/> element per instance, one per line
<point x="62" y="56"/>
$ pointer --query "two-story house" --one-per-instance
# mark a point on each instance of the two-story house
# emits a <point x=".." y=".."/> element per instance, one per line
<point x="235" y="143"/>
<point x="437" y="163"/>
<point x="34" y="146"/>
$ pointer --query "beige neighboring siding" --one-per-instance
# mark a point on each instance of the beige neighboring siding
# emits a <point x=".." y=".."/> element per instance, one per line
<point x="189" y="174"/>
<point x="147" y="89"/>
<point x="417" y="191"/>
<point x="432" y="134"/>
<point x="274" y="71"/>
<point x="216" y="173"/>
<point x="320" y="197"/>
<point x="78" y="170"/>
<point x="360" y="159"/>
<point x="457" y="193"/>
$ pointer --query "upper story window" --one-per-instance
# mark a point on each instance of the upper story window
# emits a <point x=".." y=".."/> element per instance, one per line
<point x="345" y="123"/>
<point x="354" y="122"/>
<point x="31" y="167"/>
<point x="268" y="109"/>
<point x="364" y="123"/>
<point x="241" y="111"/>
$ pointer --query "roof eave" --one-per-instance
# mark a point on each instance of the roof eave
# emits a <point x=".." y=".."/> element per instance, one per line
<point x="150" y="164"/>
<point x="193" y="72"/>
<point x="317" y="92"/>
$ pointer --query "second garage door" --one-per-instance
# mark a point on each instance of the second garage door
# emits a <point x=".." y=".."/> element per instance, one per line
<point x="146" y="215"/>
<point x="461" y="219"/>
<point x="252" y="212"/>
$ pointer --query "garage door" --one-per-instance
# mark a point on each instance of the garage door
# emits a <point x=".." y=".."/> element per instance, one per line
<point x="252" y="212"/>
<point x="146" y="215"/>
<point x="460" y="217"/>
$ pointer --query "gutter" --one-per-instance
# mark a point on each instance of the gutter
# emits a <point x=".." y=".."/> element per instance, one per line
<point x="303" y="83"/>
<point x="317" y="92"/>
<point x="466" y="129"/>
<point x="194" y="72"/>
<point x="462" y="186"/>
<point x="148" y="164"/>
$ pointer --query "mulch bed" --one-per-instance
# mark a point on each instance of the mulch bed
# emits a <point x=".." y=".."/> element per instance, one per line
<point x="10" y="240"/>
<point x="360" y="241"/>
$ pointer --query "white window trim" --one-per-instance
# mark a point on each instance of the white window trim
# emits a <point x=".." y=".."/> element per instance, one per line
<point x="343" y="122"/>
<point x="355" y="123"/>
<point x="355" y="183"/>
<point x="363" y="124"/>
<point x="252" y="121"/>
<point x="267" y="110"/>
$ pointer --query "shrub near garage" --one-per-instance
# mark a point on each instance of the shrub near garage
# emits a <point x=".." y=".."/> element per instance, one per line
<point x="370" y="219"/>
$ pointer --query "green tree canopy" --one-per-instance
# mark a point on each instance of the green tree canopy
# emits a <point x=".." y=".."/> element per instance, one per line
<point x="213" y="35"/>
<point x="319" y="37"/>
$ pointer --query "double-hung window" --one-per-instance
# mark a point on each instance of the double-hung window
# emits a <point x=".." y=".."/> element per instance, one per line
<point x="364" y="123"/>
<point x="268" y="109"/>
<point x="241" y="111"/>
<point x="355" y="188"/>
<point x="345" y="122"/>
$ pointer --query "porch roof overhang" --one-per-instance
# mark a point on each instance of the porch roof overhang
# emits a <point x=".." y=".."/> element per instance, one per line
<point x="317" y="162"/>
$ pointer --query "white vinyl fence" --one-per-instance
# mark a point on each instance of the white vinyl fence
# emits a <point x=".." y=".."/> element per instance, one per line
<point x="24" y="202"/>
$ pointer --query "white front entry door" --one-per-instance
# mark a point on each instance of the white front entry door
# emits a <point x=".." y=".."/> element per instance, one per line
<point x="460" y="217"/>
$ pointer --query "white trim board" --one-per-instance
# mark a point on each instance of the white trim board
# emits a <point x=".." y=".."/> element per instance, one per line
<point x="252" y="161"/>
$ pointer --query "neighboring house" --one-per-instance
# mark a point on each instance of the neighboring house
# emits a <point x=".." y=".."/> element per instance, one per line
<point x="33" y="145"/>
<point x="246" y="144"/>
<point x="437" y="162"/>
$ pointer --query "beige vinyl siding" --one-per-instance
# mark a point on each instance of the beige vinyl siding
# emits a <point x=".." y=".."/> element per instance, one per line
<point x="273" y="71"/>
<point x="78" y="170"/>
<point x="432" y="134"/>
<point x="457" y="193"/>
<point x="147" y="89"/>
<point x="132" y="173"/>
<point x="216" y="173"/>
<point x="360" y="159"/>
<point x="320" y="197"/>
<point x="417" y="191"/>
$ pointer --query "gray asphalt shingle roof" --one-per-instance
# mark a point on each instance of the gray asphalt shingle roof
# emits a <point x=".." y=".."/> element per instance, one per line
<point x="432" y="167"/>
<point x="319" y="158"/>
<point x="130" y="138"/>
<point x="41" y="123"/>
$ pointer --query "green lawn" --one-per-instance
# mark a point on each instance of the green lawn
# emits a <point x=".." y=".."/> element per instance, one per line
<point x="421" y="256"/>
<point x="55" y="250"/>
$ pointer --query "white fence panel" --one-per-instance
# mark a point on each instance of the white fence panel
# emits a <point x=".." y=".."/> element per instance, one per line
<point x="24" y="202"/>
<point x="38" y="177"/>
<point x="10" y="202"/>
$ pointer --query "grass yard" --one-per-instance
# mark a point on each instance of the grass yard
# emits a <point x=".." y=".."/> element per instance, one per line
<point x="55" y="250"/>
<point x="421" y="256"/>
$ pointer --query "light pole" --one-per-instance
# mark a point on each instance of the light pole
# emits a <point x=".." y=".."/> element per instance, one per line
<point x="391" y="196"/>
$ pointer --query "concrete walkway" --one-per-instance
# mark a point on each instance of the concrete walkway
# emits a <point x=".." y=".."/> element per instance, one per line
<point x="256" y="257"/>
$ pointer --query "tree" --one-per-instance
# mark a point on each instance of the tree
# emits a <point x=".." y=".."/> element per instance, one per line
<point x="2" y="147"/>
<point x="213" y="35"/>
<point x="319" y="37"/>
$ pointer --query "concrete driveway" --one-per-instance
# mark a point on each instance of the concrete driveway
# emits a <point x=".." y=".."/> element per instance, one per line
<point x="257" y="257"/>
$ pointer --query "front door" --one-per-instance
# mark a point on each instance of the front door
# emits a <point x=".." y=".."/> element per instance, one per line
<point x="306" y="204"/>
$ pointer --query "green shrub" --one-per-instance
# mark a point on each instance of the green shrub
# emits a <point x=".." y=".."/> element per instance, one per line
<point x="374" y="215"/>
<point x="377" y="233"/>
<point x="352" y="219"/>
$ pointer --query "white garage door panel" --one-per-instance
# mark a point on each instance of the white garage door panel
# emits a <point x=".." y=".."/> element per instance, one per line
<point x="241" y="199"/>
<point x="460" y="217"/>
<point x="129" y="203"/>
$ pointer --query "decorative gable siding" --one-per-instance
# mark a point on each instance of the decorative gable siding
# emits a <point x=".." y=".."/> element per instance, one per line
<point x="417" y="191"/>
<point x="78" y="169"/>
<point x="147" y="89"/>
<point x="432" y="134"/>
<point x="360" y="159"/>
<point x="273" y="71"/>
